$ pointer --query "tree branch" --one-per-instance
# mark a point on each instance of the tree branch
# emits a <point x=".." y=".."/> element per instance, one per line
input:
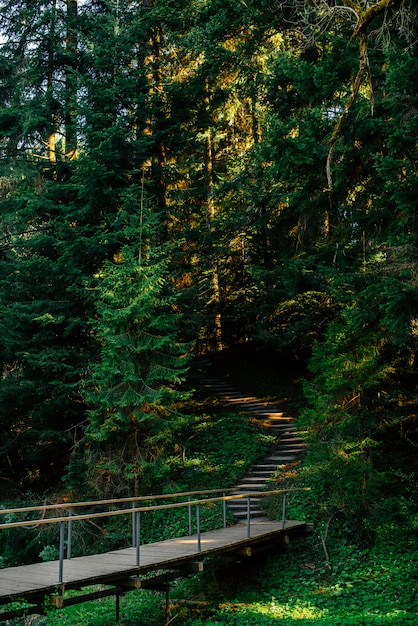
<point x="365" y="17"/>
<point x="362" y="71"/>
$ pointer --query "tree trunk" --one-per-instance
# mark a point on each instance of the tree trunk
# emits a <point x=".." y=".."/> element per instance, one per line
<point x="71" y="81"/>
<point x="210" y="216"/>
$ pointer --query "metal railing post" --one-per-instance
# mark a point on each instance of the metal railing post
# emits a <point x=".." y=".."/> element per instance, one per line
<point x="61" y="561"/>
<point x="199" y="547"/>
<point x="69" y="533"/>
<point x="190" y="516"/>
<point x="248" y="516"/>
<point x="138" y="536"/>
<point x="284" y="511"/>
<point x="134" y="503"/>
<point x="224" y="508"/>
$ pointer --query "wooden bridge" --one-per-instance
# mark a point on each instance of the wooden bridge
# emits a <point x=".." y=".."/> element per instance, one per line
<point x="146" y="566"/>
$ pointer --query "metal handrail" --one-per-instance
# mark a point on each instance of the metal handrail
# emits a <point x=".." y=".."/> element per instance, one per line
<point x="136" y="511"/>
<point x="139" y="509"/>
<point x="67" y="505"/>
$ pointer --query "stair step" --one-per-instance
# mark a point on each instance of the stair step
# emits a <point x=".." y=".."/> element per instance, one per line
<point x="290" y="445"/>
<point x="250" y="400"/>
<point x="280" y="422"/>
<point x="294" y="451"/>
<point x="254" y="506"/>
<point x="286" y="419"/>
<point x="265" y="411"/>
<point x="235" y="396"/>
<point x="250" y="479"/>
<point x="243" y="498"/>
<point x="262" y="474"/>
<point x="264" y="467"/>
<point x="251" y="486"/>
<point x="287" y="439"/>
<point x="219" y="387"/>
<point x="243" y="514"/>
<point x="244" y="507"/>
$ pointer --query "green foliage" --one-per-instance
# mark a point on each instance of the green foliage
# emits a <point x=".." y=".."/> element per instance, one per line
<point x="136" y="608"/>
<point x="218" y="449"/>
<point x="361" y="394"/>
<point x="364" y="587"/>
<point x="135" y="388"/>
<point x="49" y="553"/>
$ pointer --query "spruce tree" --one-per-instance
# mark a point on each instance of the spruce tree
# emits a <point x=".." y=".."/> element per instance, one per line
<point x="137" y="384"/>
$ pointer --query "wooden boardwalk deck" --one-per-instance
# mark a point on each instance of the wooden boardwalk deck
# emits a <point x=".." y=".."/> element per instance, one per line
<point x="32" y="583"/>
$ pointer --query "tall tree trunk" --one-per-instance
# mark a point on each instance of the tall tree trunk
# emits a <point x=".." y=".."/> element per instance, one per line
<point x="52" y="136"/>
<point x="71" y="81"/>
<point x="210" y="216"/>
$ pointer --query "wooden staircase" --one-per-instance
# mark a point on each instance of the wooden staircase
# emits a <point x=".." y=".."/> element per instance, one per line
<point x="288" y="450"/>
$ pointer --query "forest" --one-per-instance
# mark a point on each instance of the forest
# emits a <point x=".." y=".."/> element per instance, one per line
<point x="198" y="185"/>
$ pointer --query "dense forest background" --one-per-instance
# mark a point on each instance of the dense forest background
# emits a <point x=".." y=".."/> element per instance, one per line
<point x="186" y="178"/>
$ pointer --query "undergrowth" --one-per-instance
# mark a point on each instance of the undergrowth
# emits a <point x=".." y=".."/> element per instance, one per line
<point x="351" y="570"/>
<point x="362" y="587"/>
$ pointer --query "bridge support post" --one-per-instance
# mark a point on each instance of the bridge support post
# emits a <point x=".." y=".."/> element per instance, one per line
<point x="117" y="607"/>
<point x="167" y="601"/>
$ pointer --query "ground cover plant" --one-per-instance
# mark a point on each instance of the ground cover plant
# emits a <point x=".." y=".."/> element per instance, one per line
<point x="365" y="586"/>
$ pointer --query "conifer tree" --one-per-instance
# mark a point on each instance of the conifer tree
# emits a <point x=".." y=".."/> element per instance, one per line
<point x="136" y="385"/>
<point x="39" y="317"/>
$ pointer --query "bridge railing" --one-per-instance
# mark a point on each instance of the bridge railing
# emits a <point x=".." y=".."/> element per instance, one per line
<point x="69" y="515"/>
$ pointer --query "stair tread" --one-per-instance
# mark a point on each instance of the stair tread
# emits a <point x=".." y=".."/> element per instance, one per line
<point x="290" y="444"/>
<point x="250" y="479"/>
<point x="254" y="499"/>
<point x="289" y="447"/>
<point x="247" y="484"/>
<point x="254" y="513"/>
<point x="264" y="467"/>
<point x="255" y="506"/>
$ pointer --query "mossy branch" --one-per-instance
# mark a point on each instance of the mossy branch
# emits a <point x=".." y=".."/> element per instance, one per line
<point x="364" y="18"/>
